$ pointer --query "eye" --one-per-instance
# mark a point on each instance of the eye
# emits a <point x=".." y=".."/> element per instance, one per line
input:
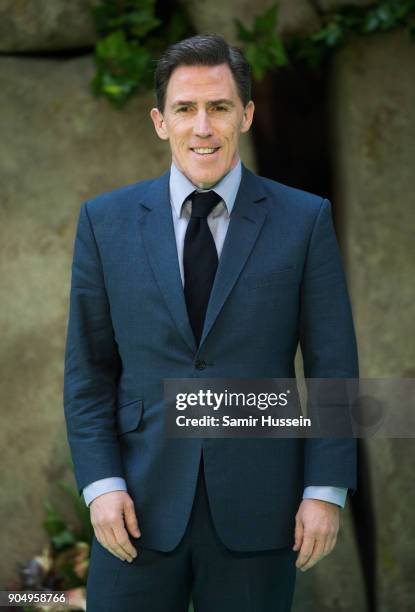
<point x="220" y="108"/>
<point x="182" y="109"/>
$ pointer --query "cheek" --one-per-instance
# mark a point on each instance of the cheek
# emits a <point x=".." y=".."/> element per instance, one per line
<point x="230" y="142"/>
<point x="177" y="133"/>
<point x="178" y="144"/>
<point x="230" y="133"/>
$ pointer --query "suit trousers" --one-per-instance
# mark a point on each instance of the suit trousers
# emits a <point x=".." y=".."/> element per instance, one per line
<point x="200" y="568"/>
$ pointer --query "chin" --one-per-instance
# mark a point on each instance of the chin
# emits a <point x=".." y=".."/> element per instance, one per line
<point x="208" y="177"/>
<point x="207" y="182"/>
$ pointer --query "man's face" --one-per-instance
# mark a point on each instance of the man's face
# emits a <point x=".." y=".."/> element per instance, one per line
<point x="203" y="119"/>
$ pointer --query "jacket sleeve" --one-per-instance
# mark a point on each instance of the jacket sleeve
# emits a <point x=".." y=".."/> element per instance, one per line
<point x="328" y="346"/>
<point x="92" y="365"/>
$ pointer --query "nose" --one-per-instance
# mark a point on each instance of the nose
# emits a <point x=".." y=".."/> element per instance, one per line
<point x="202" y="126"/>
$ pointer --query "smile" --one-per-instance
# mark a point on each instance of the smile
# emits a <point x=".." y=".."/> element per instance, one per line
<point x="205" y="150"/>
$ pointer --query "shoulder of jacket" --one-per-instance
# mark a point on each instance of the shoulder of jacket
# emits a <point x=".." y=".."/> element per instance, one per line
<point x="118" y="197"/>
<point x="292" y="197"/>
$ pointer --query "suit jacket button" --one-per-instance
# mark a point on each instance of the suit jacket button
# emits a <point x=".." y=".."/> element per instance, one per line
<point x="200" y="364"/>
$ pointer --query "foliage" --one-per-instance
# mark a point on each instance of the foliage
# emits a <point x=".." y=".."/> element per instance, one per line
<point x="132" y="37"/>
<point x="60" y="533"/>
<point x="338" y="28"/>
<point x="263" y="47"/>
<point x="63" y="564"/>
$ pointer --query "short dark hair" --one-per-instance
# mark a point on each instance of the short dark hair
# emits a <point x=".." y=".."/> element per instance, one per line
<point x="202" y="50"/>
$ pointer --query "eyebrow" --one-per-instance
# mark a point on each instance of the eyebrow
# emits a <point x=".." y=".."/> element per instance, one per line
<point x="211" y="103"/>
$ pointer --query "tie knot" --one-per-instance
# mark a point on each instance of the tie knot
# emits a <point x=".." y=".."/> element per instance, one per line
<point x="203" y="203"/>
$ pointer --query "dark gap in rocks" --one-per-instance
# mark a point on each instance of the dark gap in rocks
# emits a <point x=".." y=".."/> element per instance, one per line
<point x="290" y="128"/>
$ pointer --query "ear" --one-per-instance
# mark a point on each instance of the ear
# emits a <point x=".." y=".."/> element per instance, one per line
<point x="248" y="116"/>
<point x="159" y="123"/>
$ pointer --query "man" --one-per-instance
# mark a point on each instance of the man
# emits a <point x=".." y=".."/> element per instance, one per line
<point x="206" y="272"/>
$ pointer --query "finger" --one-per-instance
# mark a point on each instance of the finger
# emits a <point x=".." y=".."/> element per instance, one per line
<point x="298" y="534"/>
<point x="102" y="539"/>
<point x="130" y="519"/>
<point x="305" y="551"/>
<point x="121" y="536"/>
<point x="316" y="555"/>
<point x="116" y="548"/>
<point x="100" y="534"/>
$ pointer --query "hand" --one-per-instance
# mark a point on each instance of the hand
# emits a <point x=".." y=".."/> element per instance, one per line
<point x="109" y="512"/>
<point x="316" y="526"/>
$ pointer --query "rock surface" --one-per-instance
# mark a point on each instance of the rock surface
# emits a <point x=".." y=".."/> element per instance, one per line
<point x="45" y="25"/>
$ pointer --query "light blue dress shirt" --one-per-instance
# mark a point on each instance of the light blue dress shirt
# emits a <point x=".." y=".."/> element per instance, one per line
<point x="218" y="221"/>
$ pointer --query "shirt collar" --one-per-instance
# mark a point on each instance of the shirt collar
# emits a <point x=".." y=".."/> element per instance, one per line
<point x="181" y="187"/>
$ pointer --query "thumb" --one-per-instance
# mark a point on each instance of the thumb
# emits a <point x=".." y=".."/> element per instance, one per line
<point x="131" y="519"/>
<point x="299" y="533"/>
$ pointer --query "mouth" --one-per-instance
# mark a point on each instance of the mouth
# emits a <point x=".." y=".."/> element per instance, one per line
<point x="207" y="152"/>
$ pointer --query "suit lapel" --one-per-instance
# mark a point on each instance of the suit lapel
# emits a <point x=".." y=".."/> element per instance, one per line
<point x="160" y="243"/>
<point x="157" y="229"/>
<point x="246" y="220"/>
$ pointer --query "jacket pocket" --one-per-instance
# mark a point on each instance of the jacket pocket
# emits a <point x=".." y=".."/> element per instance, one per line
<point x="129" y="416"/>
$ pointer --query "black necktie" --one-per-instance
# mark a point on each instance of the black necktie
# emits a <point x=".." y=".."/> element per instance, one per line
<point x="200" y="259"/>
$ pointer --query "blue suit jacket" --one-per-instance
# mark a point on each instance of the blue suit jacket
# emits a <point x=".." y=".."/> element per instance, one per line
<point x="279" y="282"/>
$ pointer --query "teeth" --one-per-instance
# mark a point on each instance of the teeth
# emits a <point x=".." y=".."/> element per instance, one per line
<point x="204" y="151"/>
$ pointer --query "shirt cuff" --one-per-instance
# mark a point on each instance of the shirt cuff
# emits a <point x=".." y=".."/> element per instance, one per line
<point x="105" y="485"/>
<point x="334" y="495"/>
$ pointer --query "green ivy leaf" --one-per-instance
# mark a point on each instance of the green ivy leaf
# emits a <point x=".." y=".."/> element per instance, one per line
<point x="63" y="539"/>
<point x="130" y="15"/>
<point x="251" y="55"/>
<point x="266" y="23"/>
<point x="242" y="32"/>
<point x="387" y="15"/>
<point x="114" y="45"/>
<point x="331" y="35"/>
<point x="141" y="24"/>
<point x="132" y="37"/>
<point x="82" y="510"/>
<point x="305" y="49"/>
<point x="277" y="51"/>
<point x="264" y="49"/>
<point x="122" y="67"/>
<point x="54" y="523"/>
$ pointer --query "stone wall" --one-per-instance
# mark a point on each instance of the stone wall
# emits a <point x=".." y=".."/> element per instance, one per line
<point x="45" y="25"/>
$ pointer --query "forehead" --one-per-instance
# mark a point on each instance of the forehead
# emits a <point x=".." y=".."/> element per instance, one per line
<point x="198" y="83"/>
